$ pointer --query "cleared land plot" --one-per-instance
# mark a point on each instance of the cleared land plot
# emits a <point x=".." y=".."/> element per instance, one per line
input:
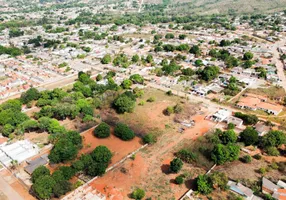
<point x="118" y="147"/>
<point x="150" y="168"/>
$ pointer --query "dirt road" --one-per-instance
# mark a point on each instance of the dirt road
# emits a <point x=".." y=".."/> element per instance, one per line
<point x="8" y="190"/>
<point x="278" y="62"/>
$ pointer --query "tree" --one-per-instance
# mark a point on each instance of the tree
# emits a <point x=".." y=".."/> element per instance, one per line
<point x="138" y="194"/>
<point x="179" y="180"/>
<point x="67" y="172"/>
<point x="61" y="188"/>
<point x="7" y="130"/>
<point x="84" y="78"/>
<point x="224" y="153"/>
<point x="78" y="165"/>
<point x="58" y="176"/>
<point x="124" y="104"/>
<point x="29" y="125"/>
<point x="149" y="58"/>
<point x="102" y="130"/>
<point x="249" y="136"/>
<point x="101" y="154"/>
<point x="176" y="165"/>
<point x="274" y="138"/>
<point x="43" y="187"/>
<point x="96" y="169"/>
<point x="126" y="84"/>
<point x="135" y="58"/>
<point x="247" y="119"/>
<point x="169" y="36"/>
<point x="272" y="151"/>
<point x="123" y="132"/>
<point x="99" y="77"/>
<point x="63" y="150"/>
<point x="203" y="184"/>
<point x="44" y="123"/>
<point x="106" y="59"/>
<point x="228" y="136"/>
<point x="75" y="138"/>
<point x="30" y="95"/>
<point x="182" y="36"/>
<point x="136" y="78"/>
<point x="219" y="180"/>
<point x="209" y="73"/>
<point x="248" y="56"/>
<point x="12" y="104"/>
<point x="195" y="50"/>
<point x="39" y="172"/>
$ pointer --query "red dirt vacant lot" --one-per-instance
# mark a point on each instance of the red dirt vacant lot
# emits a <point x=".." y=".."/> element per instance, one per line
<point x="118" y="147"/>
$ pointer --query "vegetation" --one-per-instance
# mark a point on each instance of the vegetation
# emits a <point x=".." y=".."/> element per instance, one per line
<point x="102" y="130"/>
<point x="123" y="132"/>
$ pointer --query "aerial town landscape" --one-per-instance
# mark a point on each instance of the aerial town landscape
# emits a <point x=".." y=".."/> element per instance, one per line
<point x="143" y="99"/>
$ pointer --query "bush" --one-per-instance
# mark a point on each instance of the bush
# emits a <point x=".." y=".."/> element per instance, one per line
<point x="262" y="170"/>
<point x="149" y="139"/>
<point x="151" y="99"/>
<point x="169" y="110"/>
<point x="123" y="132"/>
<point x="179" y="180"/>
<point x="186" y="155"/>
<point x="272" y="151"/>
<point x="246" y="159"/>
<point x="257" y="156"/>
<point x="102" y="130"/>
<point x="176" y="165"/>
<point x="138" y="194"/>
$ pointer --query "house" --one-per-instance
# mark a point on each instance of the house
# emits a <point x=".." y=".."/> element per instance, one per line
<point x="262" y="129"/>
<point x="254" y="102"/>
<point x="235" y="120"/>
<point x="240" y="189"/>
<point x="281" y="184"/>
<point x="34" y="164"/>
<point x="221" y="115"/>
<point x="280" y="194"/>
<point x="268" y="187"/>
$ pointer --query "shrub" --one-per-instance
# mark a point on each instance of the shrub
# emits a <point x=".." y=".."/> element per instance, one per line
<point x="149" y="139"/>
<point x="246" y="159"/>
<point x="179" y="180"/>
<point x="151" y="99"/>
<point x="262" y="170"/>
<point x="123" y="132"/>
<point x="138" y="194"/>
<point x="257" y="156"/>
<point x="102" y="130"/>
<point x="272" y="151"/>
<point x="176" y="165"/>
<point x="186" y="155"/>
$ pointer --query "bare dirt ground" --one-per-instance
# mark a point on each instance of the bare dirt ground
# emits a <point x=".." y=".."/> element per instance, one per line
<point x="150" y="169"/>
<point x="12" y="188"/>
<point x="118" y="147"/>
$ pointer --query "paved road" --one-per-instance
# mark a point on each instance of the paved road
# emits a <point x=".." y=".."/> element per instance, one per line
<point x="9" y="191"/>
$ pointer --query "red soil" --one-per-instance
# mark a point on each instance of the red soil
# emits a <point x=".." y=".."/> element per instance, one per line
<point x="118" y="147"/>
<point x="116" y="185"/>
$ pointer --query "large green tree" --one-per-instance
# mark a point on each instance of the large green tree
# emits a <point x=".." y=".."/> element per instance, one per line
<point x="123" y="132"/>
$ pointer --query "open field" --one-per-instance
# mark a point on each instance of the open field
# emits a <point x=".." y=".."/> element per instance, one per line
<point x="118" y="147"/>
<point x="226" y="6"/>
<point x="150" y="168"/>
